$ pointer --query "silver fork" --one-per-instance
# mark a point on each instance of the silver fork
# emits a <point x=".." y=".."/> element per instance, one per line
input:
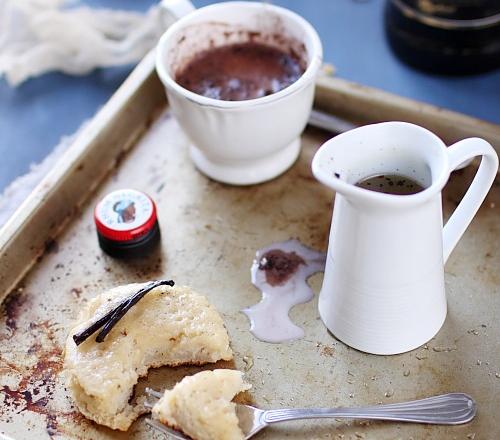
<point x="446" y="409"/>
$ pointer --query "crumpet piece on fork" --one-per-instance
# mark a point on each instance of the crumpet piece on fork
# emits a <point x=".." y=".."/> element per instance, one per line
<point x="200" y="405"/>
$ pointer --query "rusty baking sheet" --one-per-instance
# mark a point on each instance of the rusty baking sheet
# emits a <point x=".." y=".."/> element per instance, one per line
<point x="210" y="234"/>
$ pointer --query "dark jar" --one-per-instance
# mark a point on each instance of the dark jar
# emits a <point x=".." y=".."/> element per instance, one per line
<point x="454" y="37"/>
<point x="127" y="224"/>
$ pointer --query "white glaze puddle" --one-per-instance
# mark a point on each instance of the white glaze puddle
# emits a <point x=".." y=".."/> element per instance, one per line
<point x="280" y="271"/>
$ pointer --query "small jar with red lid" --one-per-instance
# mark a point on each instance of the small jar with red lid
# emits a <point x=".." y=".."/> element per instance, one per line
<point x="127" y="223"/>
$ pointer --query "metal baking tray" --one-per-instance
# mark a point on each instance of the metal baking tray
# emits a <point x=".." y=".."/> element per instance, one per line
<point x="51" y="265"/>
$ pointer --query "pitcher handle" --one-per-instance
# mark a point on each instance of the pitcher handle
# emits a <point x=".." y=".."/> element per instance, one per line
<point x="464" y="213"/>
<point x="175" y="9"/>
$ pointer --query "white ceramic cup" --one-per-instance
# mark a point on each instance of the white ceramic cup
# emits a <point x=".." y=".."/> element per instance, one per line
<point x="383" y="289"/>
<point x="240" y="142"/>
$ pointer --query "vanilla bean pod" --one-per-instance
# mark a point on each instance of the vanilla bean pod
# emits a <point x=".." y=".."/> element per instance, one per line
<point x="111" y="318"/>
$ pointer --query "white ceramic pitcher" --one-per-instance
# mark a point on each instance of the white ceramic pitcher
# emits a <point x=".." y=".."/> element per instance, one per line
<point x="383" y="288"/>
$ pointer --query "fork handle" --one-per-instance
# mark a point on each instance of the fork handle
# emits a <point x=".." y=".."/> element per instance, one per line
<point x="446" y="409"/>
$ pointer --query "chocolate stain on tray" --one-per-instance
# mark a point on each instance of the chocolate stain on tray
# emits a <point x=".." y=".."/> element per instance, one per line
<point x="280" y="266"/>
<point x="51" y="246"/>
<point x="37" y="384"/>
<point x="12" y="308"/>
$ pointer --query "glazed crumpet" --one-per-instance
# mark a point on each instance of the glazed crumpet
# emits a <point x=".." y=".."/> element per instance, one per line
<point x="201" y="407"/>
<point x="169" y="326"/>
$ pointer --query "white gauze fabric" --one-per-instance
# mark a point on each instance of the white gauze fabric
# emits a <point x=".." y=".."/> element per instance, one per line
<point x="38" y="36"/>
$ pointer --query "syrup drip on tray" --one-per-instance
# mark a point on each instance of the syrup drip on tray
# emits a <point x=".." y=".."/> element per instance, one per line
<point x="280" y="271"/>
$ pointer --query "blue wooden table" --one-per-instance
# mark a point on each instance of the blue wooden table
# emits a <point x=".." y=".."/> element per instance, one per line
<point x="34" y="116"/>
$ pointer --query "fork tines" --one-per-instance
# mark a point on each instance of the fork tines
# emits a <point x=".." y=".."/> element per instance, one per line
<point x="153" y="393"/>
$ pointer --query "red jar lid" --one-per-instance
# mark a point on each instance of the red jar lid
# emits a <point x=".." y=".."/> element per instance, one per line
<point x="125" y="215"/>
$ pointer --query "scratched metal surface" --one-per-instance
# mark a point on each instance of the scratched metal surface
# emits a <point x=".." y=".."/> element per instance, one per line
<point x="210" y="233"/>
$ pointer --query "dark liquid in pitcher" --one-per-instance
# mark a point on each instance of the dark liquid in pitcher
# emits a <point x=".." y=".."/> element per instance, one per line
<point x="237" y="72"/>
<point x="391" y="184"/>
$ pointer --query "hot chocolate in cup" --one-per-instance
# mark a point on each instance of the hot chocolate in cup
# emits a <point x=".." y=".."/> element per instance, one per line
<point x="245" y="141"/>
